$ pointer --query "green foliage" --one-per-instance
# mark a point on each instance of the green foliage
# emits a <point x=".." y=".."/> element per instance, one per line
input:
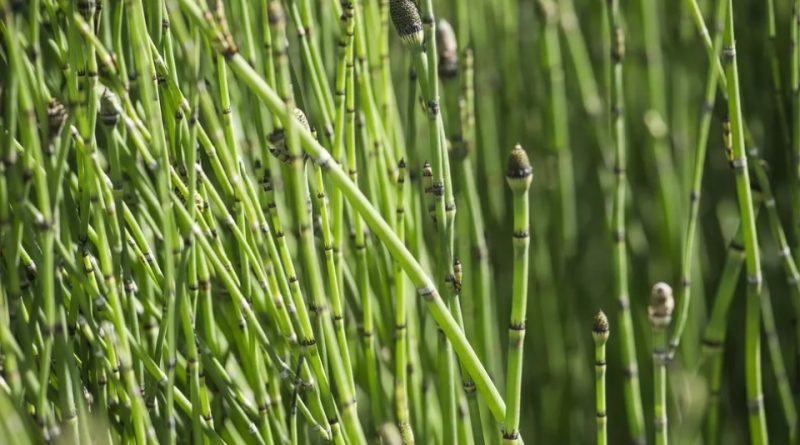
<point x="302" y="221"/>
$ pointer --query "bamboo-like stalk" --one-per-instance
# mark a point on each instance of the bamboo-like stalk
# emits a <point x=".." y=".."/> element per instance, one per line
<point x="401" y="348"/>
<point x="712" y="78"/>
<point x="600" y="333"/>
<point x="559" y="128"/>
<point x="519" y="175"/>
<point x="660" y="314"/>
<point x="738" y="160"/>
<point x="633" y="400"/>
<point x="715" y="331"/>
<point x="656" y="119"/>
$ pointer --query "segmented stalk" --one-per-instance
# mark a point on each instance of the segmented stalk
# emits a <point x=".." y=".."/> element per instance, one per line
<point x="600" y="333"/>
<point x="519" y="176"/>
<point x="738" y="160"/>
<point x="660" y="314"/>
<point x="633" y="400"/>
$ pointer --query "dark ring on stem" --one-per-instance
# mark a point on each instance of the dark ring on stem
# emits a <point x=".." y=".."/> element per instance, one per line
<point x="630" y="371"/>
<point x="714" y="344"/>
<point x="755" y="405"/>
<point x="661" y="357"/>
<point x="600" y="363"/>
<point x="601" y="414"/>
<point x="754" y="279"/>
<point x="739" y="163"/>
<point x="427" y="292"/>
<point x="433" y="107"/>
<point x="728" y="53"/>
<point x="736" y="246"/>
<point x="438" y="189"/>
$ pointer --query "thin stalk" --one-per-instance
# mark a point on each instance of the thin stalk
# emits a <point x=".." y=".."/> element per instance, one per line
<point x="401" y="347"/>
<point x="633" y="400"/>
<point x="660" y="315"/>
<point x="600" y="333"/>
<point x="755" y="398"/>
<point x="519" y="176"/>
<point x="684" y="291"/>
<point x="559" y="129"/>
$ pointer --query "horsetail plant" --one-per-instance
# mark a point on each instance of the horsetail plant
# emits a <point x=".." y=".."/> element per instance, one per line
<point x="660" y="314"/>
<point x="600" y="333"/>
<point x="519" y="175"/>
<point x="738" y="161"/>
<point x="633" y="401"/>
<point x="212" y="212"/>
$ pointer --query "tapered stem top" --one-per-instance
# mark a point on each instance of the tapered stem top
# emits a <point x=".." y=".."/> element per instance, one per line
<point x="600" y="330"/>
<point x="519" y="173"/>
<point x="447" y="46"/>
<point x="661" y="305"/>
<point x="407" y="22"/>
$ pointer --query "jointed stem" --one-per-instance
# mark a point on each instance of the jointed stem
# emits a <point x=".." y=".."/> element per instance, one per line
<point x="633" y="400"/>
<point x="755" y="398"/>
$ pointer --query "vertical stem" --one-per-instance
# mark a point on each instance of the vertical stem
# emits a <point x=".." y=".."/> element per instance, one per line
<point x="633" y="400"/>
<point x="600" y="333"/>
<point x="738" y="160"/>
<point x="519" y="176"/>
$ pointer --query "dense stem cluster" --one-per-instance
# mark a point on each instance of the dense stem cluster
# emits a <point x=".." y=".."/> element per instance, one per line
<point x="301" y="221"/>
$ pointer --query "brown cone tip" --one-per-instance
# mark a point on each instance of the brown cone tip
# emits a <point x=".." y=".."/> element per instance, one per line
<point x="446" y="38"/>
<point x="447" y="47"/>
<point x="407" y="21"/>
<point x="600" y="325"/>
<point x="519" y="166"/>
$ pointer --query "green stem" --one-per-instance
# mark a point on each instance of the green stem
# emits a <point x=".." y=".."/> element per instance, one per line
<point x="755" y="398"/>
